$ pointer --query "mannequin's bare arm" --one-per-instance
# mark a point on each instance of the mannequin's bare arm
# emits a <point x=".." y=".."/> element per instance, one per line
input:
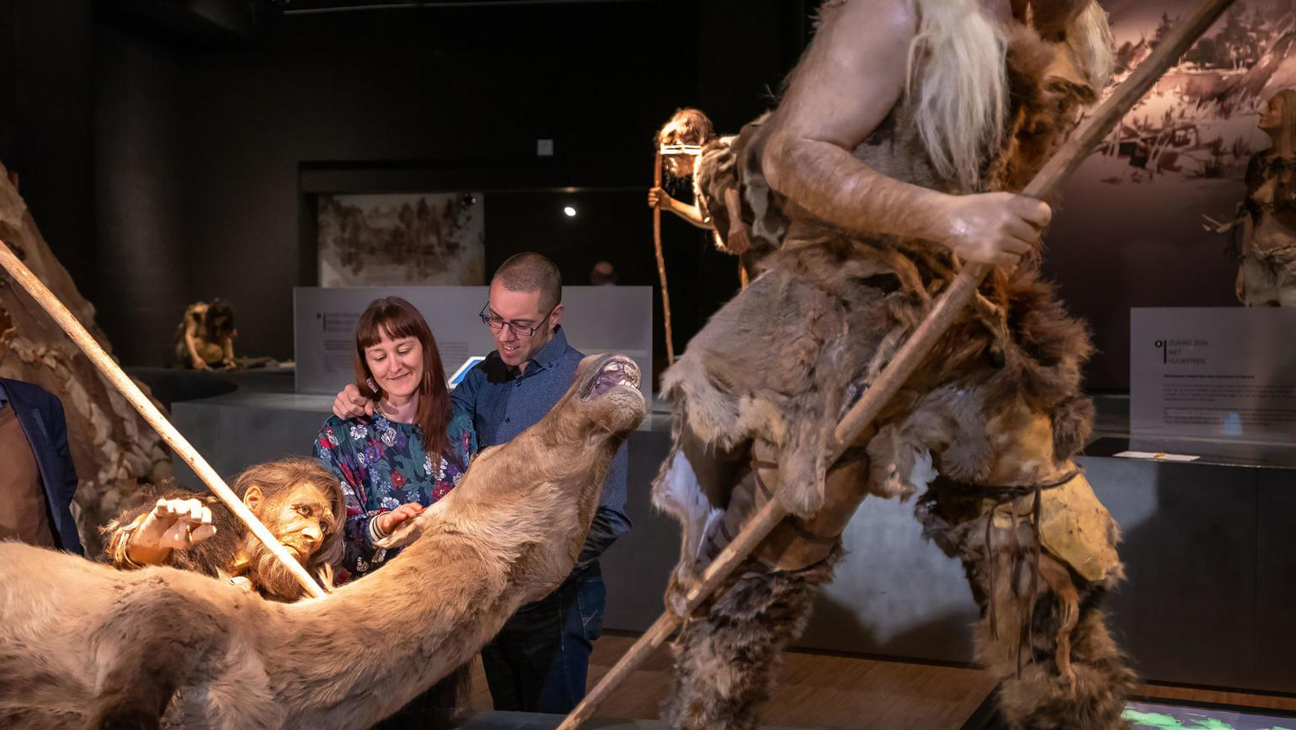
<point x="850" y="79"/>
<point x="190" y="338"/>
<point x="659" y="198"/>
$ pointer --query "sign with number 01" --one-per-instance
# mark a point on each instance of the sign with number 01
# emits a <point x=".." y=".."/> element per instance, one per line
<point x="1213" y="374"/>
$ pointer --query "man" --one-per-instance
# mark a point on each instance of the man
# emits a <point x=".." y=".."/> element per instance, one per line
<point x="297" y="499"/>
<point x="903" y="127"/>
<point x="37" y="477"/>
<point x="540" y="659"/>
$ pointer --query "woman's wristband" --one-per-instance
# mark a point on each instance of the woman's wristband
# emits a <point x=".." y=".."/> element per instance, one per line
<point x="376" y="532"/>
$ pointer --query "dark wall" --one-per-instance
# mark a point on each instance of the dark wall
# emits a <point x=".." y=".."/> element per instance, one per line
<point x="1114" y="247"/>
<point x="144" y="276"/>
<point x="46" y="123"/>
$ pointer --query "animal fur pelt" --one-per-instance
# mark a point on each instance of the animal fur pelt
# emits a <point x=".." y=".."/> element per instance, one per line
<point x="728" y="172"/>
<point x="82" y="645"/>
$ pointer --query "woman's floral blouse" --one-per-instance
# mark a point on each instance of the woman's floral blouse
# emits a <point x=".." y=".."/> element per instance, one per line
<point x="382" y="465"/>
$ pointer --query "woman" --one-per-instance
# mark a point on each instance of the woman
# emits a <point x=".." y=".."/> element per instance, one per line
<point x="1267" y="274"/>
<point x="392" y="464"/>
<point x="412" y="450"/>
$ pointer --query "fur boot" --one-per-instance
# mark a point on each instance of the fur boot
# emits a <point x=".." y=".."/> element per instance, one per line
<point x="727" y="658"/>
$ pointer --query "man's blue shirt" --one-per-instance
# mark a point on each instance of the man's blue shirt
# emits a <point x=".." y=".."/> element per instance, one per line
<point x="505" y="403"/>
<point x="4" y="396"/>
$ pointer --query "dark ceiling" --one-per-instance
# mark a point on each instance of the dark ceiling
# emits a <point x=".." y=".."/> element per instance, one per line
<point x="222" y="22"/>
<point x="316" y="6"/>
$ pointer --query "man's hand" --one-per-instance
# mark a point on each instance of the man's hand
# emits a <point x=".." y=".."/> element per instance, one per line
<point x="389" y="521"/>
<point x="200" y="364"/>
<point x="994" y="228"/>
<point x="174" y="524"/>
<point x="350" y="404"/>
<point x="659" y="198"/>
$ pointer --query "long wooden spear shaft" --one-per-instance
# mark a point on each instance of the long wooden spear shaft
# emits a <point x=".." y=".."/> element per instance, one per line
<point x="113" y="372"/>
<point x="944" y="312"/>
<point x="661" y="261"/>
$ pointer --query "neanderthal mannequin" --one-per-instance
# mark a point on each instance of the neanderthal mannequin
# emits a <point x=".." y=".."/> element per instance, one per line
<point x="302" y="504"/>
<point x="902" y="119"/>
<point x="205" y="337"/>
<point x="1267" y="272"/>
<point x="731" y="197"/>
<point x="297" y="499"/>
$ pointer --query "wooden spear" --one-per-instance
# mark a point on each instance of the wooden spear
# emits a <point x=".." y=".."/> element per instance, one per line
<point x="113" y="372"/>
<point x="661" y="261"/>
<point x="944" y="312"/>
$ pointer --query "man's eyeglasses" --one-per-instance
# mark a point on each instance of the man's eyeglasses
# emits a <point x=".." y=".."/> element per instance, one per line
<point x="497" y="323"/>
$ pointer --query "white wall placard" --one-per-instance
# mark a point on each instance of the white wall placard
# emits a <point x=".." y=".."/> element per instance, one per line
<point x="1221" y="374"/>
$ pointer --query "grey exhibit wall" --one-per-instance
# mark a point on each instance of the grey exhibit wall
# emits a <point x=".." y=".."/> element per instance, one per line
<point x="595" y="319"/>
<point x="1206" y="601"/>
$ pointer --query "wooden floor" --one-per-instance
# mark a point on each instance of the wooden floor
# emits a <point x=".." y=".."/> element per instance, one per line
<point x="846" y="693"/>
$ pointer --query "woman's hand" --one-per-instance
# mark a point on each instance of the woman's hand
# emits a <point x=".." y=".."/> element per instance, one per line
<point x="389" y="521"/>
<point x="351" y="404"/>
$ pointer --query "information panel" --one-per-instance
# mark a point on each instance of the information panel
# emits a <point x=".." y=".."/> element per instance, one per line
<point x="1215" y="374"/>
<point x="595" y="318"/>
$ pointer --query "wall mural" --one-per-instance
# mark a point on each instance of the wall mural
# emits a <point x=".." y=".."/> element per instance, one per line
<point x="1131" y="226"/>
<point x="402" y="240"/>
<point x="1200" y="120"/>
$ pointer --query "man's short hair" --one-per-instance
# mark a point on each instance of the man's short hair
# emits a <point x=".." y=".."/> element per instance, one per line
<point x="532" y="272"/>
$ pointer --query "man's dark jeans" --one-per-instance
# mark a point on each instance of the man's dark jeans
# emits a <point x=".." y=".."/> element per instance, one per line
<point x="539" y="660"/>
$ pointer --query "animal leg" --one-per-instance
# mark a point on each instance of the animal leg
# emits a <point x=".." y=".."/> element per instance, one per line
<point x="153" y="643"/>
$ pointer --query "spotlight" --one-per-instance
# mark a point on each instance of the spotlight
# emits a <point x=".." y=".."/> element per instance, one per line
<point x="570" y="211"/>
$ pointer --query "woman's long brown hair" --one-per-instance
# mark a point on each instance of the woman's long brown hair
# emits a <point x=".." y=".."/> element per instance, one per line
<point x="399" y="319"/>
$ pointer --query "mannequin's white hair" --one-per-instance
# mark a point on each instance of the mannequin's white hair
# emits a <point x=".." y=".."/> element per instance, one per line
<point x="957" y="84"/>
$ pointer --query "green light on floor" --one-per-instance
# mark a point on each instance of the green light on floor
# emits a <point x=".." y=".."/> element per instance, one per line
<point x="1160" y="721"/>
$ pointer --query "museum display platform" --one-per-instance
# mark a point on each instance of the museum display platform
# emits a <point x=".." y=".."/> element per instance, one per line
<point x="1208" y="599"/>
